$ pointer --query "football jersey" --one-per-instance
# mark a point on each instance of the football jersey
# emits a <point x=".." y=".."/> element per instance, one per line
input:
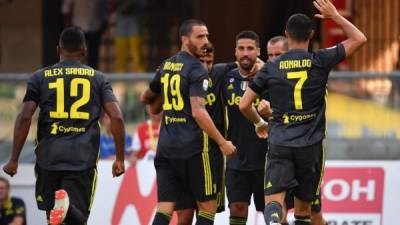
<point x="178" y="78"/>
<point x="215" y="104"/>
<point x="251" y="149"/>
<point x="296" y="82"/>
<point x="70" y="96"/>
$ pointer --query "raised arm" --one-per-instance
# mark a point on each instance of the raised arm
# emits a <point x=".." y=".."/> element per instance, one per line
<point x="355" y="38"/>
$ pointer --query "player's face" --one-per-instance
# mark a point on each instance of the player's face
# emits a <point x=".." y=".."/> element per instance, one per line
<point x="207" y="61"/>
<point x="3" y="190"/>
<point x="275" y="50"/>
<point x="246" y="53"/>
<point x="198" y="41"/>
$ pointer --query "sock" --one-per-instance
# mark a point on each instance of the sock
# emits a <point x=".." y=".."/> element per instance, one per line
<point x="75" y="216"/>
<point x="302" y="220"/>
<point x="273" y="212"/>
<point x="161" y="218"/>
<point x="205" y="218"/>
<point x="234" y="220"/>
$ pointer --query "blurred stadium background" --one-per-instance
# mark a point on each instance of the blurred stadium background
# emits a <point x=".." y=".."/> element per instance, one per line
<point x="363" y="114"/>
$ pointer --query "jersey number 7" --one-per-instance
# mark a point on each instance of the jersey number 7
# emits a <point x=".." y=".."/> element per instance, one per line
<point x="74" y="113"/>
<point x="302" y="76"/>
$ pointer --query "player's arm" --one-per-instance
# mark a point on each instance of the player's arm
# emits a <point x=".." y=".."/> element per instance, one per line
<point x="21" y="130"/>
<point x="264" y="108"/>
<point x="203" y="119"/>
<point x="118" y="131"/>
<point x="149" y="96"/>
<point x="250" y="112"/>
<point x="156" y="105"/>
<point x="355" y="38"/>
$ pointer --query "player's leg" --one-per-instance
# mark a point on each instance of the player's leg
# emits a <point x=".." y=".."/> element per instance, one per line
<point x="239" y="192"/>
<point x="169" y="188"/>
<point x="279" y="177"/>
<point x="316" y="214"/>
<point x="220" y="180"/>
<point x="47" y="182"/>
<point x="201" y="180"/>
<point x="185" y="208"/>
<point x="288" y="204"/>
<point x="78" y="188"/>
<point x="309" y="171"/>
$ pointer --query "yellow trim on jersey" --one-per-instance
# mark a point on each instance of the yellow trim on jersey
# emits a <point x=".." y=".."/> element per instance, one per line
<point x="208" y="186"/>
<point x="94" y="185"/>
<point x="322" y="169"/>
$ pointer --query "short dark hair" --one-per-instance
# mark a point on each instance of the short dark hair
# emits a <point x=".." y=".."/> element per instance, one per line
<point x="3" y="179"/>
<point x="278" y="39"/>
<point x="299" y="27"/>
<point x="248" y="34"/>
<point x="186" y="27"/>
<point x="72" y="39"/>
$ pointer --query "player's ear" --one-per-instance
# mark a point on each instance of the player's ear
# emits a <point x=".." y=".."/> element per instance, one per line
<point x="83" y="51"/>
<point x="258" y="51"/>
<point x="286" y="34"/>
<point x="311" y="35"/>
<point x="184" y="39"/>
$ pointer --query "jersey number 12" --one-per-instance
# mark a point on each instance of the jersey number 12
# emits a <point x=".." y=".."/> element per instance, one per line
<point x="60" y="108"/>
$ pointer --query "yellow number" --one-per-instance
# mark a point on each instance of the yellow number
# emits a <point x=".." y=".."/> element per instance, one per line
<point x="59" y="86"/>
<point x="302" y="76"/>
<point x="74" y="113"/>
<point x="172" y="86"/>
<point x="165" y="82"/>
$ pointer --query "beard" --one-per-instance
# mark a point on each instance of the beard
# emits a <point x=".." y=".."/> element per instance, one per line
<point x="246" y="63"/>
<point x="197" y="52"/>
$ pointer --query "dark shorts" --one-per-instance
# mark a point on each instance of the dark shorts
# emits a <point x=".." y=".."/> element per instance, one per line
<point x="240" y="185"/>
<point x="316" y="205"/>
<point x="187" y="201"/>
<point x="299" y="169"/>
<point x="80" y="186"/>
<point x="193" y="176"/>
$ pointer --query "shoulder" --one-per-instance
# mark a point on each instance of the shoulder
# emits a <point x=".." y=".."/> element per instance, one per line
<point x="17" y="201"/>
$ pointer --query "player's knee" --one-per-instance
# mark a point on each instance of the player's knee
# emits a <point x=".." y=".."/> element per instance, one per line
<point x="207" y="206"/>
<point x="238" y="209"/>
<point x="185" y="217"/>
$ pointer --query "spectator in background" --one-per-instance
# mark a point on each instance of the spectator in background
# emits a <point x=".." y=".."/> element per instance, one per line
<point x="145" y="138"/>
<point x="12" y="210"/>
<point x="91" y="17"/>
<point x="129" y="32"/>
<point x="107" y="144"/>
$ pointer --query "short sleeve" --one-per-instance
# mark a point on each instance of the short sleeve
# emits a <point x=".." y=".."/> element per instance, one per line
<point x="33" y="89"/>
<point x="259" y="83"/>
<point x="330" y="57"/>
<point x="198" y="81"/>
<point x="107" y="94"/>
<point x="155" y="83"/>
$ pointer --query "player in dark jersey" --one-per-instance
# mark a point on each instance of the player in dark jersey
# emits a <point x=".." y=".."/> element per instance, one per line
<point x="296" y="81"/>
<point x="276" y="46"/>
<point x="71" y="97"/>
<point x="186" y="205"/>
<point x="244" y="171"/>
<point x="183" y="163"/>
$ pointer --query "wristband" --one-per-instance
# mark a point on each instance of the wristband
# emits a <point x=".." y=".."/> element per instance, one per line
<point x="260" y="123"/>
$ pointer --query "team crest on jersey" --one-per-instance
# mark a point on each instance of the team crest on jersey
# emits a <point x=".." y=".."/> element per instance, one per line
<point x="205" y="84"/>
<point x="243" y="85"/>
